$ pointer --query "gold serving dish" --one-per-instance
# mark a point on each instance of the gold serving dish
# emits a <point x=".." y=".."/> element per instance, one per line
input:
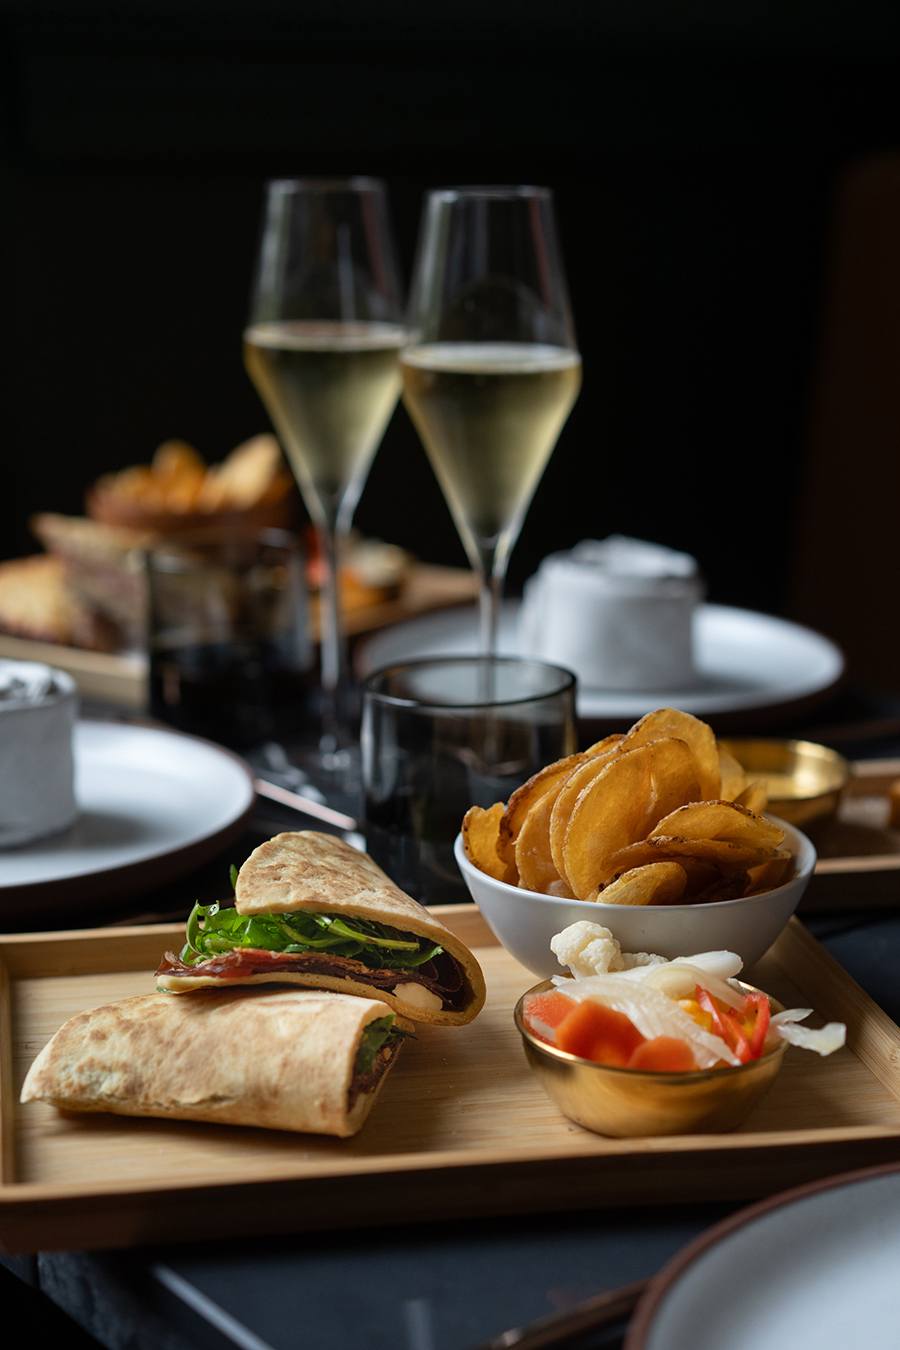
<point x="632" y="1103"/>
<point x="805" y="780"/>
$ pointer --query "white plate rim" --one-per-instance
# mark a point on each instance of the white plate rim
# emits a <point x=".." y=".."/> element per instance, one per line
<point x="605" y="705"/>
<point x="160" y="863"/>
<point x="651" y="1304"/>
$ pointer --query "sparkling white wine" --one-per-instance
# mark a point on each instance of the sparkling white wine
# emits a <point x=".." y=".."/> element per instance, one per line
<point x="330" y="390"/>
<point x="489" y="415"/>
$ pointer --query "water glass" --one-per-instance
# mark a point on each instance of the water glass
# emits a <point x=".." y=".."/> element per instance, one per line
<point x="441" y="734"/>
<point x="230" y="652"/>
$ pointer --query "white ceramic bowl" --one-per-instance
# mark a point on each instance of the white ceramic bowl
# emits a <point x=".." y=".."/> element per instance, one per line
<point x="524" y="922"/>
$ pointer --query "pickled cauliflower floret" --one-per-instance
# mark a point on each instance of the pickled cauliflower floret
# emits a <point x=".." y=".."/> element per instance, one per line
<point x="590" y="949"/>
<point x="633" y="960"/>
<point x="587" y="949"/>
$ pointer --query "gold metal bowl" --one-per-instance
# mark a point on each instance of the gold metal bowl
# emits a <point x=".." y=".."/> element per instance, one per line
<point x="632" y="1103"/>
<point x="805" y="780"/>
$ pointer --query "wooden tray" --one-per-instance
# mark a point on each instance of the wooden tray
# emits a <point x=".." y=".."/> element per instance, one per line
<point x="859" y="855"/>
<point x="121" y="678"/>
<point x="461" y="1130"/>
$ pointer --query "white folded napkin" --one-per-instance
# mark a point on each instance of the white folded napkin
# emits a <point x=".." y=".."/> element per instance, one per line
<point x="38" y="706"/>
<point x="618" y="611"/>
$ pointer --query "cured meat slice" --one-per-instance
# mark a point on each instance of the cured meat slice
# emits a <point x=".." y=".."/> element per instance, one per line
<point x="443" y="975"/>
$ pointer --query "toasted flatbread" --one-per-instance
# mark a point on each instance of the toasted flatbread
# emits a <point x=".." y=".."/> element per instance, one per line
<point x="283" y="1059"/>
<point x="307" y="870"/>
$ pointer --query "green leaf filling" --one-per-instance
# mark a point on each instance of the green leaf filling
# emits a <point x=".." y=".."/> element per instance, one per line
<point x="373" y="1038"/>
<point x="212" y="930"/>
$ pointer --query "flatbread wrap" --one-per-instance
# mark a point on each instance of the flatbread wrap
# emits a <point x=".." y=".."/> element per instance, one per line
<point x="283" y="1059"/>
<point x="311" y="910"/>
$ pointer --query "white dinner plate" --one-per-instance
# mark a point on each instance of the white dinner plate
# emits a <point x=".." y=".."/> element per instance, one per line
<point x="745" y="661"/>
<point x="152" y="804"/>
<point x="816" y="1266"/>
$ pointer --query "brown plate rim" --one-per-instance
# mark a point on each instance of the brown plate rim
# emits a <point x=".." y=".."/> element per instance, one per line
<point x="46" y="899"/>
<point x="661" y="1284"/>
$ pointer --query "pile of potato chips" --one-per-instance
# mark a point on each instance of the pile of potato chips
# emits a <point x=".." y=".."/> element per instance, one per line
<point x="660" y="815"/>
<point x="177" y="481"/>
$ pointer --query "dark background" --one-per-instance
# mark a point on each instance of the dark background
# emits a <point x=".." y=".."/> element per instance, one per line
<point x="725" y="185"/>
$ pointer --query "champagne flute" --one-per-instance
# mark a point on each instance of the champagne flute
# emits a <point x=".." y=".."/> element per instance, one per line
<point x="322" y="347"/>
<point x="492" y="369"/>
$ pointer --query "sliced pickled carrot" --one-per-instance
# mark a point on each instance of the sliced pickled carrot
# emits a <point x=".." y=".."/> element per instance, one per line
<point x="550" y="1007"/>
<point x="544" y="1012"/>
<point x="663" y="1054"/>
<point x="598" y="1033"/>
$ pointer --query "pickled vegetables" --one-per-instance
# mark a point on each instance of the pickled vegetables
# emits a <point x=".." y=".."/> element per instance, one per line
<point x="640" y="1011"/>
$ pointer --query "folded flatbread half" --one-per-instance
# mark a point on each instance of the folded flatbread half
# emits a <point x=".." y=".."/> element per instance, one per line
<point x="311" y="910"/>
<point x="284" y="1059"/>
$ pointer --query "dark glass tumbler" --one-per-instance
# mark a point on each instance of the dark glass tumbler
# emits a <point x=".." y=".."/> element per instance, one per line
<point x="228" y="636"/>
<point x="442" y="734"/>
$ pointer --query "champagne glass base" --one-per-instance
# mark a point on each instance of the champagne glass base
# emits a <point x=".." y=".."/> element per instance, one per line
<point x="336" y="774"/>
<point x="332" y="777"/>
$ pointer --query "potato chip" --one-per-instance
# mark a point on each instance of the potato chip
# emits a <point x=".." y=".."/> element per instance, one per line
<point x="775" y="871"/>
<point x="724" y="887"/>
<point x="534" y="861"/>
<point x="638" y="854"/>
<point x="673" y="778"/>
<point x="568" y="792"/>
<point x="732" y="776"/>
<point x="661" y="883"/>
<point x="607" y="743"/>
<point x="480" y="832"/>
<point x="660" y="815"/>
<point x="669" y="722"/>
<point x="609" y="813"/>
<point x="755" y="796"/>
<point x="702" y="875"/>
<point x="723" y="854"/>
<point x="524" y="797"/>
<point x="720" y="820"/>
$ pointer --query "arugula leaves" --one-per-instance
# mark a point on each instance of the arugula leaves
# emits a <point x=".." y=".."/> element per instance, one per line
<point x="212" y="930"/>
<point x="373" y="1038"/>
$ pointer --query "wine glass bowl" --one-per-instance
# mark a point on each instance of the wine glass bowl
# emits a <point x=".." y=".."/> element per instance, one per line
<point x="491" y="370"/>
<point x="322" y="346"/>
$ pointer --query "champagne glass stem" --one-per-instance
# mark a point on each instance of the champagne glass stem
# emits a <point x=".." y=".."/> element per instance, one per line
<point x="491" y="565"/>
<point x="331" y="641"/>
<point x="490" y="596"/>
<point x="492" y="575"/>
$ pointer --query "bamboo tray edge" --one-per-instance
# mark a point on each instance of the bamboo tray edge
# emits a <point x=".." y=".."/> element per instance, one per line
<point x="562" y="1168"/>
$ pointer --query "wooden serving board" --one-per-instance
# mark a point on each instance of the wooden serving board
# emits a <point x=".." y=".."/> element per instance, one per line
<point x="859" y="853"/>
<point x="461" y="1130"/>
<point x="120" y="678"/>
